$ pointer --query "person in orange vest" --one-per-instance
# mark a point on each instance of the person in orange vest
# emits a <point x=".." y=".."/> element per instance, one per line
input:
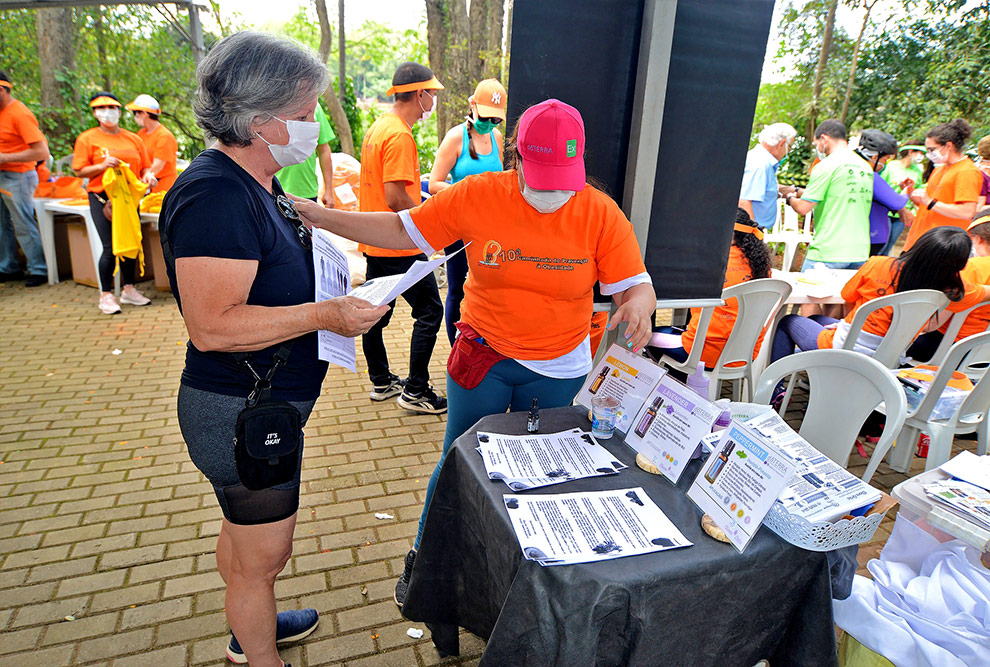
<point x="161" y="143"/>
<point x="22" y="146"/>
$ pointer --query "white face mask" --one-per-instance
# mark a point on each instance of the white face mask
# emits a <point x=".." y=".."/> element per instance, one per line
<point x="917" y="158"/>
<point x="544" y="201"/>
<point x="303" y="136"/>
<point x="108" y="116"/>
<point x="938" y="158"/>
<point x="425" y="116"/>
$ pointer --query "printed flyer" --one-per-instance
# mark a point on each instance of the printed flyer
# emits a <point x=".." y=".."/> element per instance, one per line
<point x="625" y="375"/>
<point x="740" y="482"/>
<point x="333" y="279"/>
<point x="670" y="425"/>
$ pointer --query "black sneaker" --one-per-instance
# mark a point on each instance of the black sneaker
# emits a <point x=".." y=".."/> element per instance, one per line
<point x="35" y="281"/>
<point x="290" y="626"/>
<point x="425" y="401"/>
<point x="8" y="277"/>
<point x="384" y="392"/>
<point x="402" y="585"/>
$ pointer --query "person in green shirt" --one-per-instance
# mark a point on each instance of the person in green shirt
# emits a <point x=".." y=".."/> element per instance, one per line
<point x="840" y="192"/>
<point x="300" y="179"/>
<point x="907" y="166"/>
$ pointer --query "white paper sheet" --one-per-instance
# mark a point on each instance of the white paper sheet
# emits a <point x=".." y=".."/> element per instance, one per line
<point x="388" y="288"/>
<point x="625" y="375"/>
<point x="671" y="423"/>
<point x="587" y="527"/>
<point x="963" y="498"/>
<point x="332" y="280"/>
<point x="740" y="481"/>
<point x="969" y="467"/>
<point x="541" y="459"/>
<point x="821" y="489"/>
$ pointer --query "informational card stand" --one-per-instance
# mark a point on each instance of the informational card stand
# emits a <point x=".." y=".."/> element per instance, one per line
<point x="625" y="375"/>
<point x="671" y="423"/>
<point x="740" y="481"/>
<point x="332" y="280"/>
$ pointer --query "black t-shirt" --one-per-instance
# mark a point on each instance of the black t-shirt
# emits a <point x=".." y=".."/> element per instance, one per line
<point x="216" y="209"/>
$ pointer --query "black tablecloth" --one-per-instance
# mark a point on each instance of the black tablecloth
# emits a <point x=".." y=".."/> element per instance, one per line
<point x="701" y="605"/>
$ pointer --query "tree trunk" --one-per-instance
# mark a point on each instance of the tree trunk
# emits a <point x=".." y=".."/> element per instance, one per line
<point x="101" y="49"/>
<point x="486" y="39"/>
<point x="868" y="6"/>
<point x="820" y="71"/>
<point x="507" y="44"/>
<point x="341" y="43"/>
<point x="56" y="53"/>
<point x="333" y="101"/>
<point x="448" y="34"/>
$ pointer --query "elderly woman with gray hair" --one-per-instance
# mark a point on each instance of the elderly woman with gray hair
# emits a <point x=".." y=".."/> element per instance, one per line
<point x="241" y="265"/>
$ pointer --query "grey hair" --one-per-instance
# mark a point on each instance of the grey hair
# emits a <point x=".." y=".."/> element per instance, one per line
<point x="252" y="74"/>
<point x="777" y="132"/>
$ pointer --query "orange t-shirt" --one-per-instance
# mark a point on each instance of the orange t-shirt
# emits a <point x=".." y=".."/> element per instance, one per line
<point x="388" y="154"/>
<point x="18" y="130"/>
<point x="977" y="272"/>
<point x="93" y="145"/>
<point x="529" y="290"/>
<point x="161" y="144"/>
<point x="724" y="317"/>
<point x="875" y="279"/>
<point x="959" y="183"/>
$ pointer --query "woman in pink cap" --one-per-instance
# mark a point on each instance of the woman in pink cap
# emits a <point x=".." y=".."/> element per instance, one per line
<point x="540" y="239"/>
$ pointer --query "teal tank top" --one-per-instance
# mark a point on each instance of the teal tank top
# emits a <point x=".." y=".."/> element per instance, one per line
<point x="465" y="166"/>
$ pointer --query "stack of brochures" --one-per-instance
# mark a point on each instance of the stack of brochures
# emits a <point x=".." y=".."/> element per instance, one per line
<point x="962" y="499"/>
<point x="821" y="489"/>
<point x="541" y="459"/>
<point x="570" y="528"/>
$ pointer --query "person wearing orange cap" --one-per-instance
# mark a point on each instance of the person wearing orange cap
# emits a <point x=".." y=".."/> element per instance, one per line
<point x="540" y="240"/>
<point x="390" y="181"/>
<point x="22" y="145"/>
<point x="473" y="147"/>
<point x="97" y="149"/>
<point x="162" y="146"/>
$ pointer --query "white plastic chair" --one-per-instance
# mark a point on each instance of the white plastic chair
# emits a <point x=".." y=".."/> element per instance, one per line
<point x="758" y="301"/>
<point x="788" y="229"/>
<point x="951" y="332"/>
<point x="845" y="387"/>
<point x="911" y="311"/>
<point x="971" y="417"/>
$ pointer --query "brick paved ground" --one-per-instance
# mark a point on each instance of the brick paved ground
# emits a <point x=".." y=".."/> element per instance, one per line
<point x="104" y="519"/>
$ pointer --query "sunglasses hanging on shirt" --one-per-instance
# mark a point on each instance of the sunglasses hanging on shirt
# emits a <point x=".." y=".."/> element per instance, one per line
<point x="289" y="212"/>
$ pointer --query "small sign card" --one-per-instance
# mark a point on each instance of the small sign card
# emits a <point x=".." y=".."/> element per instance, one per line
<point x="740" y="482"/>
<point x="670" y="425"/>
<point x="627" y="376"/>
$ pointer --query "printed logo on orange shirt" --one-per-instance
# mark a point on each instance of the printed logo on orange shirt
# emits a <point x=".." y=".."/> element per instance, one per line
<point x="491" y="255"/>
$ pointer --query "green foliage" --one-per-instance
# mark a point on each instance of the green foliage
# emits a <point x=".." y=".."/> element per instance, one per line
<point x="929" y="63"/>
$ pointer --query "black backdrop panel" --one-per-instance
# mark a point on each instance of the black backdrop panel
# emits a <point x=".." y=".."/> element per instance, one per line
<point x="714" y="78"/>
<point x="584" y="53"/>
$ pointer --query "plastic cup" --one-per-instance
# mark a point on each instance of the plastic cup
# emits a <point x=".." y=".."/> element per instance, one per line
<point x="604" y="410"/>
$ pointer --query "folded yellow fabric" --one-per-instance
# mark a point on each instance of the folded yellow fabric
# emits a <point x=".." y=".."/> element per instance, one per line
<point x="124" y="189"/>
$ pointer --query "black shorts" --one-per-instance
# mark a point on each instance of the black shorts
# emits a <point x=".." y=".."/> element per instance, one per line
<point x="207" y="421"/>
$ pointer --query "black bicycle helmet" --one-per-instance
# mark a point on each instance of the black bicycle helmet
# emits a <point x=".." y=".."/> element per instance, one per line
<point x="878" y="142"/>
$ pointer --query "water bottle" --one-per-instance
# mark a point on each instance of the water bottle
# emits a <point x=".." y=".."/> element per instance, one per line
<point x="698" y="383"/>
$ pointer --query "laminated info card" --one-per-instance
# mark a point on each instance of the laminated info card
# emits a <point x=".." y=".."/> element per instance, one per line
<point x="740" y="482"/>
<point x="570" y="528"/>
<point x="670" y="425"/>
<point x="332" y="280"/>
<point x="541" y="459"/>
<point x="627" y="376"/>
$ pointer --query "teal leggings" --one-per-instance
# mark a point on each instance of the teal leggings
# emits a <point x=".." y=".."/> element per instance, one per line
<point x="508" y="385"/>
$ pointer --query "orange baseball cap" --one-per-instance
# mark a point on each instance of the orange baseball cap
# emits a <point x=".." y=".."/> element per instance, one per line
<point x="491" y="99"/>
<point x="145" y="103"/>
<point x="104" y="100"/>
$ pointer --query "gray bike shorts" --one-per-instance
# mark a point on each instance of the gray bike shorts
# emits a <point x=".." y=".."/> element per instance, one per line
<point x="208" y="421"/>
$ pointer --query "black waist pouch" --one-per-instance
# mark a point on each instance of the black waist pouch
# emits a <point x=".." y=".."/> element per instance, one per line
<point x="267" y="436"/>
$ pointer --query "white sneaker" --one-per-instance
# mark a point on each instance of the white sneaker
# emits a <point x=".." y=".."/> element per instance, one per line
<point x="133" y="297"/>
<point x="109" y="305"/>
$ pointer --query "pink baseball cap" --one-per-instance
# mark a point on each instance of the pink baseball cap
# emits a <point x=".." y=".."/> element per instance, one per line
<point x="550" y="140"/>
